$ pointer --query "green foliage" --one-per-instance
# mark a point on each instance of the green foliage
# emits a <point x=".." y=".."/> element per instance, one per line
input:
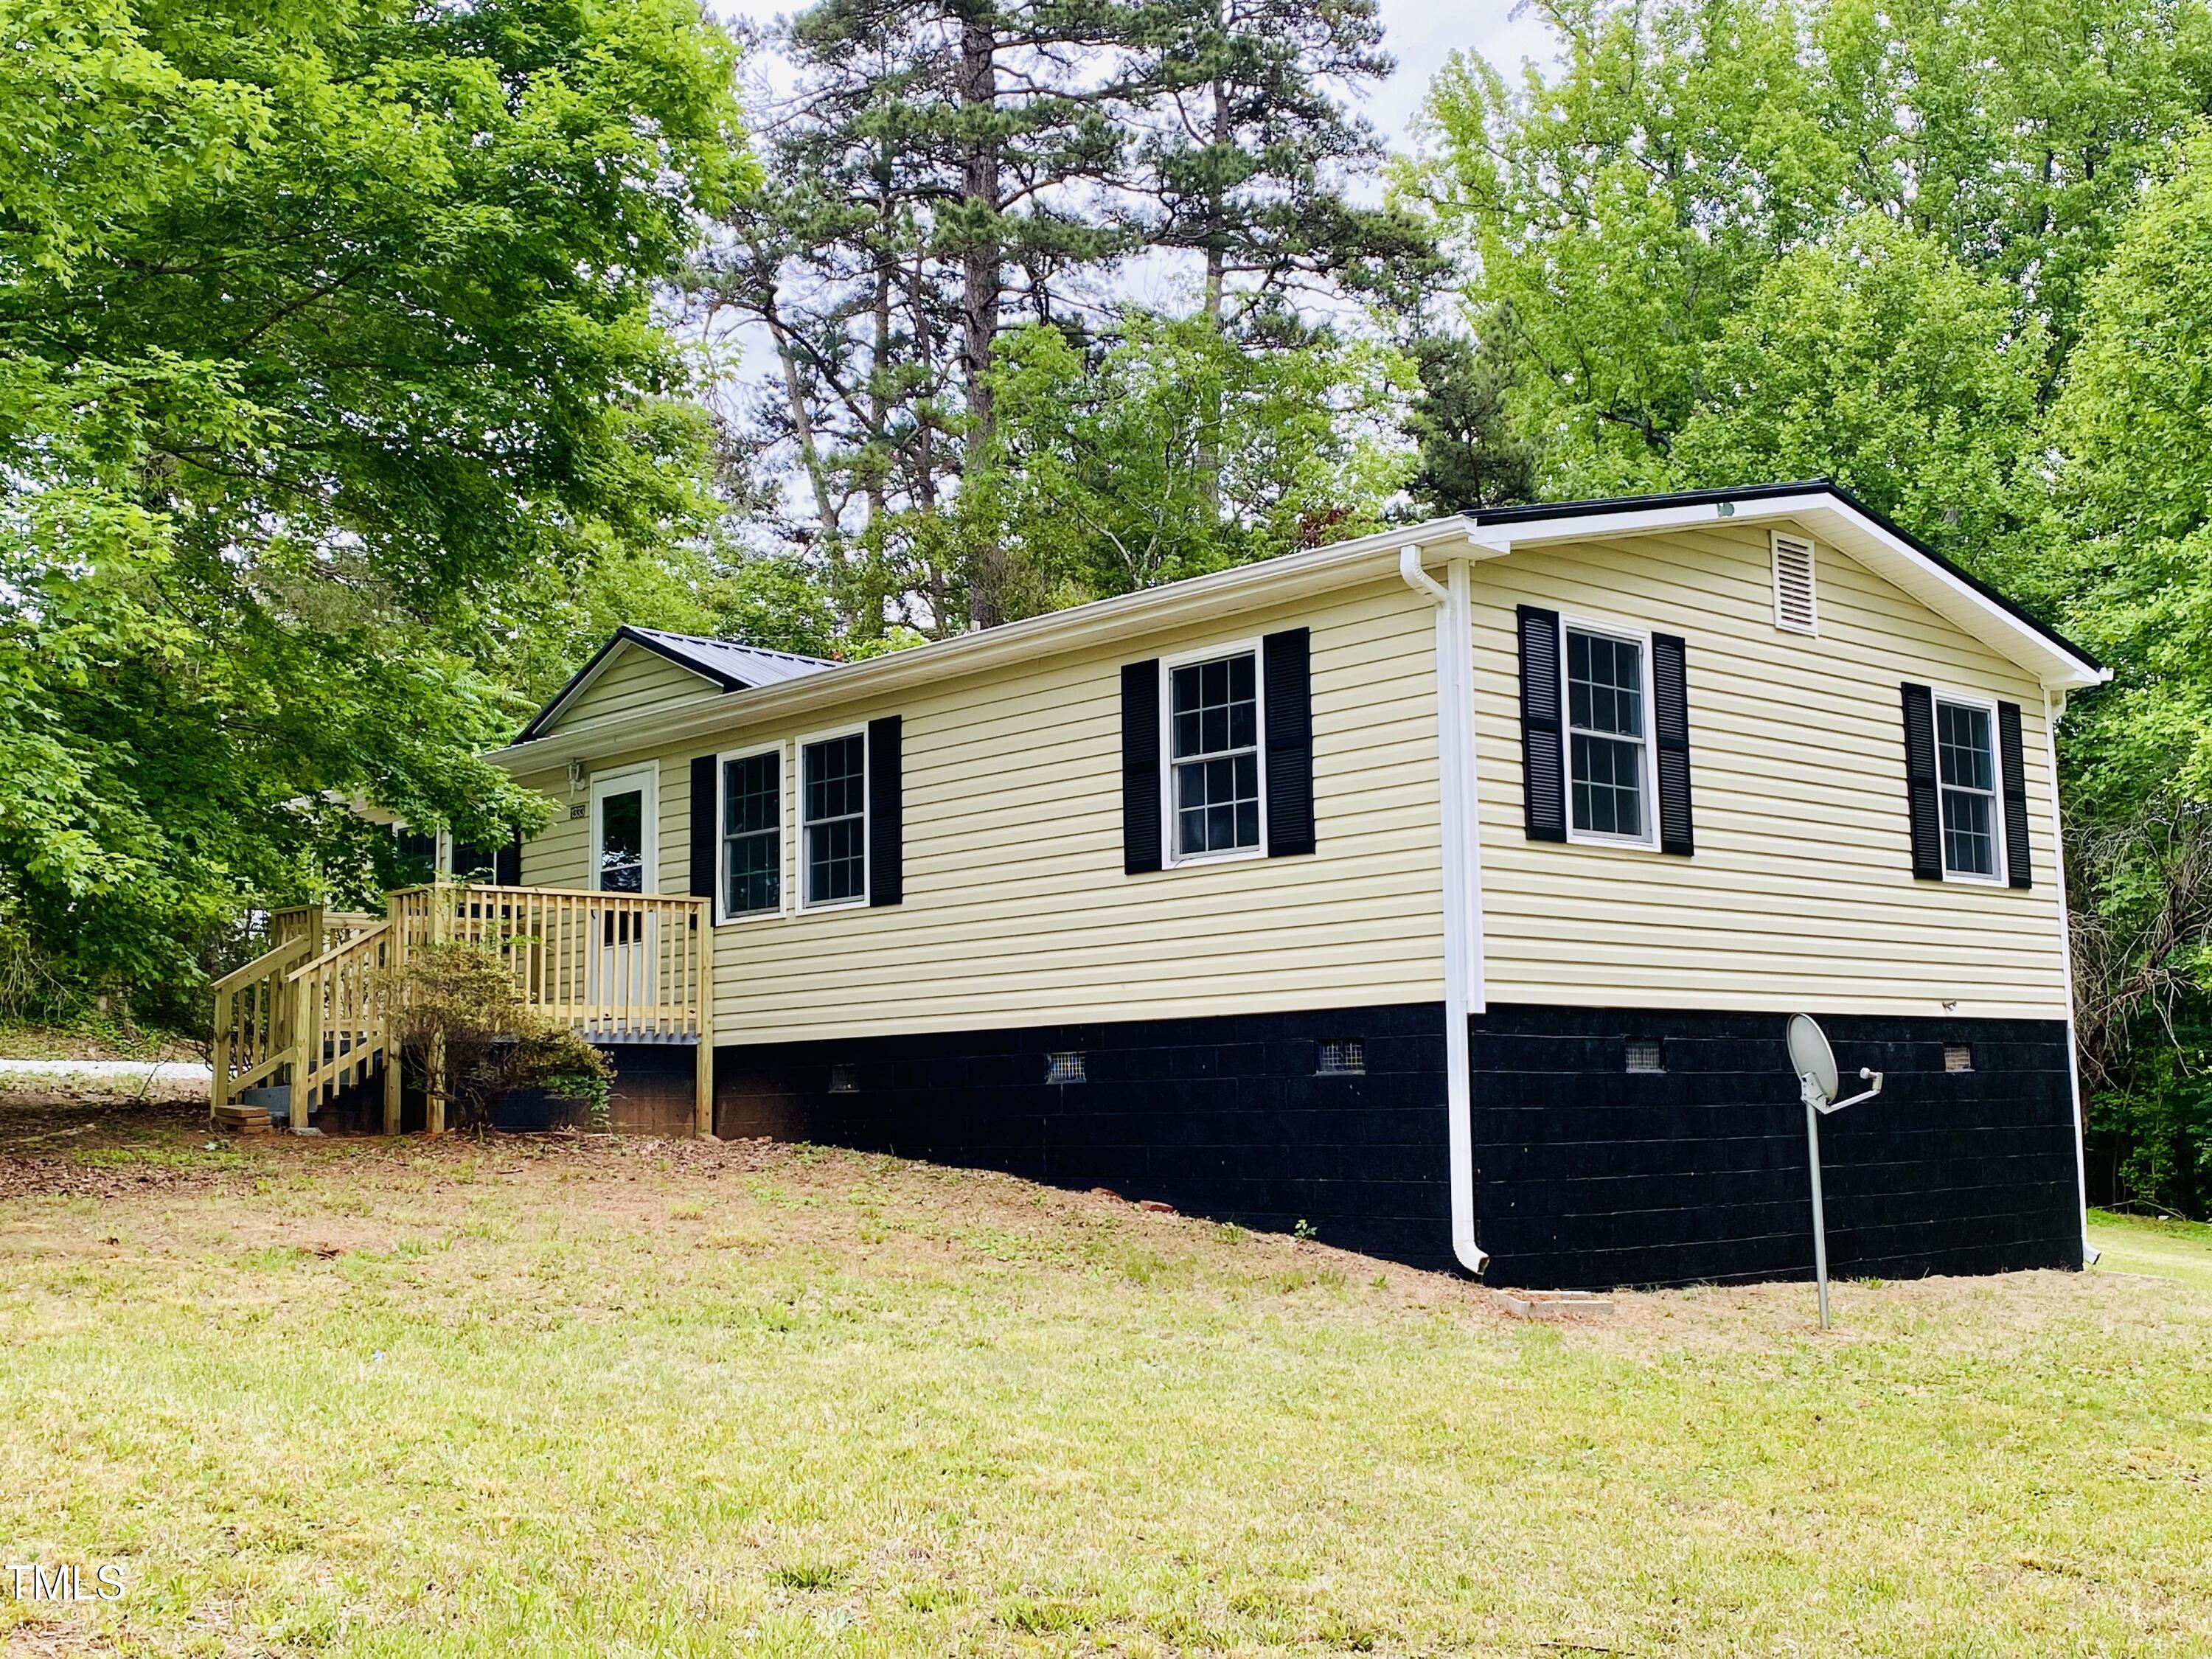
<point x="953" y="175"/>
<point x="1619" y="215"/>
<point x="462" y="1022"/>
<point x="1170" y="449"/>
<point x="1875" y="359"/>
<point x="2127" y="554"/>
<point x="329" y="395"/>
<point x="1470" y="457"/>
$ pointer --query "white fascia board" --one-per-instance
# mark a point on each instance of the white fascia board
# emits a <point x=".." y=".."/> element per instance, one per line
<point x="1835" y="521"/>
<point x="1200" y="598"/>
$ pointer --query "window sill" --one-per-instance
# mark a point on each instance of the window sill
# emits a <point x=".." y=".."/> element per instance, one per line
<point x="1193" y="860"/>
<point x="1616" y="843"/>
<point x="738" y="918"/>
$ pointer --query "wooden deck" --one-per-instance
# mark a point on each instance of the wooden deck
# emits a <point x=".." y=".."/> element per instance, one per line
<point x="309" y="1014"/>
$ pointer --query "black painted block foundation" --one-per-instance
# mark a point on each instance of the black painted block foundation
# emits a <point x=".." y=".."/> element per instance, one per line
<point x="1585" y="1174"/>
<point x="1589" y="1175"/>
<point x="1223" y="1117"/>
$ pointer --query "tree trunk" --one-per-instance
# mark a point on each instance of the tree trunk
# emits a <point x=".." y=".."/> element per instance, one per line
<point x="802" y="424"/>
<point x="982" y="280"/>
<point x="1217" y="260"/>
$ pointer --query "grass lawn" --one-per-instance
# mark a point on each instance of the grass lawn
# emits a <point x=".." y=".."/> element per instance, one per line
<point x="547" y="1396"/>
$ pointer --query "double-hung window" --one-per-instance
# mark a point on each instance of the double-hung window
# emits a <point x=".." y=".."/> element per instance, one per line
<point x="833" y="780"/>
<point x="752" y="833"/>
<point x="1966" y="779"/>
<point x="1213" y="755"/>
<point x="1609" y="742"/>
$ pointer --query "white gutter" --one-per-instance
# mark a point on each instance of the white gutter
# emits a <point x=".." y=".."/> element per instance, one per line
<point x="1102" y="623"/>
<point x="2052" y="714"/>
<point x="1464" y="994"/>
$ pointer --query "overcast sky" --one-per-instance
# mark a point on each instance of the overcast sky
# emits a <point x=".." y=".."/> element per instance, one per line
<point x="1419" y="33"/>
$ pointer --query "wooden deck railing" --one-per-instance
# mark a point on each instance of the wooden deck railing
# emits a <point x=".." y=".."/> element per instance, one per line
<point x="617" y="967"/>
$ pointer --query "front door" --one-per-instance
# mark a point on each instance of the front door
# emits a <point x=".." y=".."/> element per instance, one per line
<point x="625" y="859"/>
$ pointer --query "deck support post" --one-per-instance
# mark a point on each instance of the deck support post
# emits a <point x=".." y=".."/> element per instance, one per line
<point x="392" y="1080"/>
<point x="433" y="1088"/>
<point x="303" y="1028"/>
<point x="219" y="1081"/>
<point x="703" y="1083"/>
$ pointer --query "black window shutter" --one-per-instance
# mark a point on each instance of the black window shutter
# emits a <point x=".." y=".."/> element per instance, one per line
<point x="1286" y="662"/>
<point x="886" y="824"/>
<point x="1543" y="751"/>
<point x="1670" y="695"/>
<point x="1140" y="766"/>
<point x="506" y="862"/>
<point x="1920" y="783"/>
<point x="703" y="805"/>
<point x="2012" y="769"/>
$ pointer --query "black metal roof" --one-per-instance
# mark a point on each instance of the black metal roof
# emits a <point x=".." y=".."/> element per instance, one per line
<point x="726" y="664"/>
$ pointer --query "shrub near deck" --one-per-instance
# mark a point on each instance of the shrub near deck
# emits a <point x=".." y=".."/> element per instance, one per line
<point x="563" y="1397"/>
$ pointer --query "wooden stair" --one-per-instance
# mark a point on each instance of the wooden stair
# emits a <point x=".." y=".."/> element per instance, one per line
<point x="310" y="1014"/>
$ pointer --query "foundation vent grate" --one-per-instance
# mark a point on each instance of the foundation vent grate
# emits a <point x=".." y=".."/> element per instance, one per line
<point x="1342" y="1057"/>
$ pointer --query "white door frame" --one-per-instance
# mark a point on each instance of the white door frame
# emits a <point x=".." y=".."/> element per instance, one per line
<point x="647" y="780"/>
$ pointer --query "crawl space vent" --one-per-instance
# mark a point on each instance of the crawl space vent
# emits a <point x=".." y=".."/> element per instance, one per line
<point x="841" y="1081"/>
<point x="1342" y="1057"/>
<point x="1065" y="1067"/>
<point x="1643" y="1055"/>
<point x="1958" y="1057"/>
<point x="1793" y="584"/>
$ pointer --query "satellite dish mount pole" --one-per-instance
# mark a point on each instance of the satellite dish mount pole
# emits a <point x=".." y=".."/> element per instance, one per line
<point x="1815" y="1064"/>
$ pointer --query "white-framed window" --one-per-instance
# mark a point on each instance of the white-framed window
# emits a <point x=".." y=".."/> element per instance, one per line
<point x="1213" y="763"/>
<point x="1966" y="787"/>
<point x="626" y="830"/>
<point x="1606" y="682"/>
<point x="751" y="835"/>
<point x="833" y="815"/>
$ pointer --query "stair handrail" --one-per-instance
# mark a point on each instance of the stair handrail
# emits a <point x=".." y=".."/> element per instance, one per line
<point x="252" y="1012"/>
<point x="338" y="1001"/>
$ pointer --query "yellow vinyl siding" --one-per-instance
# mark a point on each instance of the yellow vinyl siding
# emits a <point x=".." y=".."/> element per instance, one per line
<point x="632" y="679"/>
<point x="1017" y="909"/>
<point x="1801" y="893"/>
<point x="560" y="854"/>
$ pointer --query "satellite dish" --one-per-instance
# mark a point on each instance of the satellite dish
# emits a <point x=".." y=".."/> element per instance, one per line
<point x="1811" y="1056"/>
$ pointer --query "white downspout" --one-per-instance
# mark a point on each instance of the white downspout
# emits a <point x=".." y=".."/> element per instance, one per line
<point x="1463" y="875"/>
<point x="2052" y="714"/>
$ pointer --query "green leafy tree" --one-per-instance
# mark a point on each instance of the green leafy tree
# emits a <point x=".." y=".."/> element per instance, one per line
<point x="1875" y="359"/>
<point x="330" y="393"/>
<point x="2128" y="556"/>
<point x="1098" y="480"/>
<point x="1470" y="455"/>
<point x="1616" y="214"/>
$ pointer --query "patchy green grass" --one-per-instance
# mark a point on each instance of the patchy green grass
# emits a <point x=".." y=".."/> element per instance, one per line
<point x="94" y="1038"/>
<point x="563" y="1398"/>
<point x="2179" y="1250"/>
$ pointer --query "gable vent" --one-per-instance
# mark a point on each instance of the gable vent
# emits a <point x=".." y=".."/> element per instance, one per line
<point x="1793" y="584"/>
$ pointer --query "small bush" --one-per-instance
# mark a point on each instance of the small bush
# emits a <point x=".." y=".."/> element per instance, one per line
<point x="460" y="1019"/>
